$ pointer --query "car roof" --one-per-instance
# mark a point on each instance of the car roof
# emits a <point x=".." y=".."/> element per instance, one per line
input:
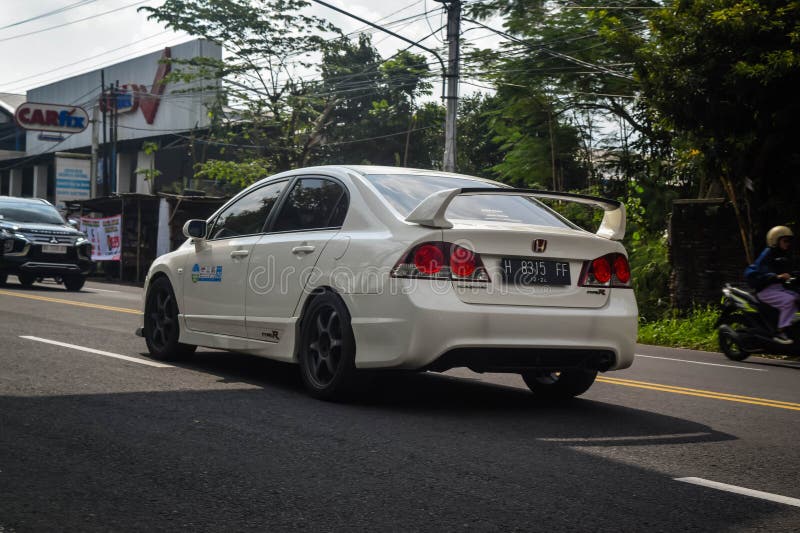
<point x="16" y="199"/>
<point x="366" y="170"/>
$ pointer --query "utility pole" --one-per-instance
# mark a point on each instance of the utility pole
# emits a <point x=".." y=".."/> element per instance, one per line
<point x="450" y="123"/>
<point x="93" y="171"/>
<point x="450" y="130"/>
<point x="114" y="124"/>
<point x="103" y="107"/>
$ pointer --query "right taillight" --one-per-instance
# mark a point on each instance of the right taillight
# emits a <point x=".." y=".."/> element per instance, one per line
<point x="610" y="270"/>
<point x="441" y="260"/>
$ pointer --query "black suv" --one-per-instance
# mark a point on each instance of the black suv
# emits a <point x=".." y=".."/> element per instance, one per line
<point x="36" y="243"/>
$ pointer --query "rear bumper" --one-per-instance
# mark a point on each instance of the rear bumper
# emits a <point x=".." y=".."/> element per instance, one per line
<point x="435" y="330"/>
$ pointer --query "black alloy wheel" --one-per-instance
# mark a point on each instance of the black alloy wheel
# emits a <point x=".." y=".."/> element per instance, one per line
<point x="559" y="385"/>
<point x="327" y="349"/>
<point x="161" y="327"/>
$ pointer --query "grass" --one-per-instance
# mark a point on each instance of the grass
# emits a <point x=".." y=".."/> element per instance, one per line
<point x="694" y="331"/>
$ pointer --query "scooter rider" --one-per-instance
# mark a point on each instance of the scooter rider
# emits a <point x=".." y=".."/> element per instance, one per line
<point x="767" y="275"/>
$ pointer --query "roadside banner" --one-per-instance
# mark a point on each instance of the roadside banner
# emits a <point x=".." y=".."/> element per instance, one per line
<point x="105" y="234"/>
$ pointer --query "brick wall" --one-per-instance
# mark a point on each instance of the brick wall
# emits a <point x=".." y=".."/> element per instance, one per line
<point x="705" y="251"/>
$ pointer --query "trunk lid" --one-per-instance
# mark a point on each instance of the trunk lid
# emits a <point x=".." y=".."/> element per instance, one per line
<point x="521" y="276"/>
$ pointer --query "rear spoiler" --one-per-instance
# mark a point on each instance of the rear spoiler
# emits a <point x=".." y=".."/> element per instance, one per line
<point x="430" y="211"/>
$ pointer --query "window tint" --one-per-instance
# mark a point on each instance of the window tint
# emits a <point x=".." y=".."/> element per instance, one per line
<point x="404" y="192"/>
<point x="313" y="203"/>
<point x="248" y="214"/>
<point x="29" y="212"/>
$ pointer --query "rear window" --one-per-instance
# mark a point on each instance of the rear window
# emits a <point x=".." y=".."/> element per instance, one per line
<point x="404" y="192"/>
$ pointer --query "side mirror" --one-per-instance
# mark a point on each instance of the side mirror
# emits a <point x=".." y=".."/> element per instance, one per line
<point x="195" y="229"/>
<point x="72" y="222"/>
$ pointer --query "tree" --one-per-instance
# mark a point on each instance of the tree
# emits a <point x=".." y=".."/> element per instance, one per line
<point x="724" y="74"/>
<point x="376" y="116"/>
<point x="566" y="68"/>
<point x="270" y="113"/>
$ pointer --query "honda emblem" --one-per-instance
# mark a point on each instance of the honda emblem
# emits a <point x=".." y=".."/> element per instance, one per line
<point x="539" y="245"/>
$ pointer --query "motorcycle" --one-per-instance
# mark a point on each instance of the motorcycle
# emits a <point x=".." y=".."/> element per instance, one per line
<point x="746" y="325"/>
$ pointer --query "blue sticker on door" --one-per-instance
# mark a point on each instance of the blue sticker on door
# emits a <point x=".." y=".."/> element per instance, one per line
<point x="206" y="273"/>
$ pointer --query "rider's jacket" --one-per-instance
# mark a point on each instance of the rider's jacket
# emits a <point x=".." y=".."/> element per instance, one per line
<point x="764" y="271"/>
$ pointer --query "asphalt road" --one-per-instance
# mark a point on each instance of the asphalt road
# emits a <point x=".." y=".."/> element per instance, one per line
<point x="92" y="442"/>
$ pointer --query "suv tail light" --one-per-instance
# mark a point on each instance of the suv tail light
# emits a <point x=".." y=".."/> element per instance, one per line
<point x="441" y="260"/>
<point x="611" y="270"/>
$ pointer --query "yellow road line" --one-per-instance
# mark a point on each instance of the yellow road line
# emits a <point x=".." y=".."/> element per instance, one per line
<point x="71" y="302"/>
<point x="613" y="381"/>
<point x="702" y="393"/>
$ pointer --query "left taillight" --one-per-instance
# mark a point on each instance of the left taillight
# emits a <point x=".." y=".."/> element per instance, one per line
<point x="610" y="270"/>
<point x="441" y="260"/>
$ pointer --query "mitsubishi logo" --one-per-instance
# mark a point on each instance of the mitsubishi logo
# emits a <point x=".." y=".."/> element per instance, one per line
<point x="539" y="245"/>
<point x="53" y="240"/>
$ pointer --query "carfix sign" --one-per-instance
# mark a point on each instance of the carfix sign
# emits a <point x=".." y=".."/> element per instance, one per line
<point x="51" y="117"/>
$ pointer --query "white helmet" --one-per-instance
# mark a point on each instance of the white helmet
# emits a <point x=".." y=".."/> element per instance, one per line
<point x="775" y="234"/>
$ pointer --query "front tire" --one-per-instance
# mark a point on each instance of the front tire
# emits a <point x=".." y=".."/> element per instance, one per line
<point x="327" y="349"/>
<point x="3" y="279"/>
<point x="559" y="385"/>
<point x="729" y="343"/>
<point x="161" y="326"/>
<point x="74" y="283"/>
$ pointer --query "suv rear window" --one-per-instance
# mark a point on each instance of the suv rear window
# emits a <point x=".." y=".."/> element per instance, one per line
<point x="405" y="191"/>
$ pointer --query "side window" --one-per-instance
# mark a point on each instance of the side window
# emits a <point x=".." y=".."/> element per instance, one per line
<point x="248" y="215"/>
<point x="313" y="203"/>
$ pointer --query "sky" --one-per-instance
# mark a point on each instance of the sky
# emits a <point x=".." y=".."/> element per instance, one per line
<point x="43" y="41"/>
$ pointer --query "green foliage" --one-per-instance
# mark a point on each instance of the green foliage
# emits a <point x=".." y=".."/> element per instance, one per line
<point x="150" y="174"/>
<point x="723" y="75"/>
<point x="267" y="112"/>
<point x="694" y="331"/>
<point x="238" y="173"/>
<point x="566" y="69"/>
<point x="650" y="272"/>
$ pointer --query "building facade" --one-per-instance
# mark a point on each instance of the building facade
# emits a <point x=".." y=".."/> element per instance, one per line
<point x="141" y="123"/>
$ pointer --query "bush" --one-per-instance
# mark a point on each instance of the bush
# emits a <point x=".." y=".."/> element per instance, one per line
<point x="650" y="270"/>
<point x="694" y="331"/>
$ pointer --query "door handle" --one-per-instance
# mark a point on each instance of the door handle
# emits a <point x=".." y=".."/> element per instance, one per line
<point x="303" y="249"/>
<point x="240" y="253"/>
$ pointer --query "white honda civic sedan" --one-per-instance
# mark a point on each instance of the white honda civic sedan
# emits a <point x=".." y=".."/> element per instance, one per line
<point x="344" y="269"/>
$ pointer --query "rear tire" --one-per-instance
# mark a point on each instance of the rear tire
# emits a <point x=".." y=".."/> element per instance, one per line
<point x="74" y="283"/>
<point x="327" y="349"/>
<point x="559" y="385"/>
<point x="26" y="280"/>
<point x="3" y="279"/>
<point x="161" y="325"/>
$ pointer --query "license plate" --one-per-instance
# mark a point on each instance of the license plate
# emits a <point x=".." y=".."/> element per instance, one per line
<point x="535" y="271"/>
<point x="53" y="249"/>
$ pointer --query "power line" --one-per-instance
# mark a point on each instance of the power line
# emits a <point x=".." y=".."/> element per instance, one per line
<point x="72" y="22"/>
<point x="48" y="13"/>
<point x="553" y="52"/>
<point x="49" y="71"/>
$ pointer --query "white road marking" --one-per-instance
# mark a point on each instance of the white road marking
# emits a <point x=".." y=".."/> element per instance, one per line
<point x="634" y="438"/>
<point x="740" y="490"/>
<point x="702" y="363"/>
<point x="101" y="290"/>
<point x="98" y="352"/>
